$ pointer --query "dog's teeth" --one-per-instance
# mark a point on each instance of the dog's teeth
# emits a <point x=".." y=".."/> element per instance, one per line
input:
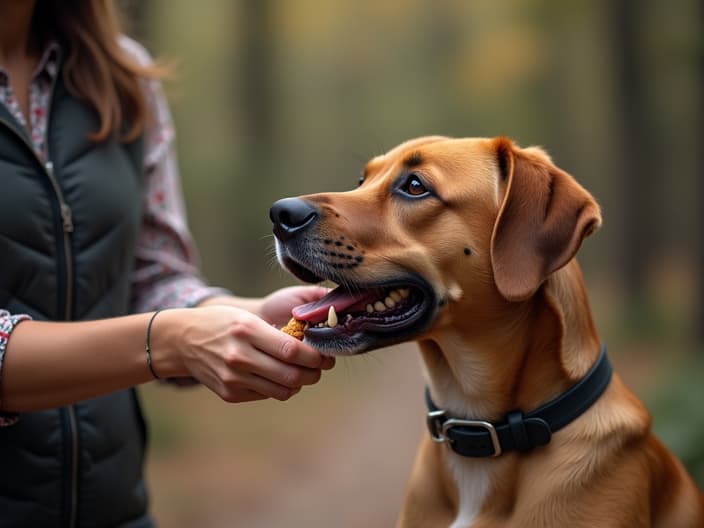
<point x="395" y="295"/>
<point x="389" y="302"/>
<point x="332" y="317"/>
<point x="405" y="292"/>
<point x="379" y="306"/>
<point x="370" y="308"/>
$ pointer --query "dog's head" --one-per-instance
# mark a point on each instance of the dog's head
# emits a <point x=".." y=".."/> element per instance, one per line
<point x="439" y="232"/>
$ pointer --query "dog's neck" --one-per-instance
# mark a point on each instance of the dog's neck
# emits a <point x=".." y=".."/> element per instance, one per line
<point x="544" y="347"/>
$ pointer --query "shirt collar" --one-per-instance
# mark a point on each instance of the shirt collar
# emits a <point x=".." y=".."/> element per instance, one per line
<point x="48" y="64"/>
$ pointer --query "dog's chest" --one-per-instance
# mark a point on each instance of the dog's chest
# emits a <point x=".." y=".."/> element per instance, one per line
<point x="472" y="479"/>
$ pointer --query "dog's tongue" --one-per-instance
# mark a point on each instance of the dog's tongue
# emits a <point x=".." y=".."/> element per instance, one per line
<point x="342" y="300"/>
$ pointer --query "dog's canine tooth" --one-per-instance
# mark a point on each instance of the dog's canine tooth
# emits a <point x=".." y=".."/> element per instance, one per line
<point x="332" y="317"/>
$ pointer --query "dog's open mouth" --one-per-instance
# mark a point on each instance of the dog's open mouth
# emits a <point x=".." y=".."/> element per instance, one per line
<point x="356" y="318"/>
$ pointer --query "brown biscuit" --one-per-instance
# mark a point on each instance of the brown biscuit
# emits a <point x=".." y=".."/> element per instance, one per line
<point x="295" y="328"/>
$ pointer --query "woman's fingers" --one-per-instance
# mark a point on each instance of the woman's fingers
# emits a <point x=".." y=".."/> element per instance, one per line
<point x="282" y="363"/>
<point x="246" y="386"/>
<point x="278" y="344"/>
<point x="328" y="362"/>
<point x="242" y="358"/>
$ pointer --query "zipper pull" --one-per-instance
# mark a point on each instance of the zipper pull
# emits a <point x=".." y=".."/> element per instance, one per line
<point x="66" y="216"/>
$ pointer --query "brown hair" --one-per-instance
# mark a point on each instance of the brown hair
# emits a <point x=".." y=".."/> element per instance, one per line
<point x="96" y="68"/>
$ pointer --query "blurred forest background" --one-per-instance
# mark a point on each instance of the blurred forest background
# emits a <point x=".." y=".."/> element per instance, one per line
<point x="273" y="98"/>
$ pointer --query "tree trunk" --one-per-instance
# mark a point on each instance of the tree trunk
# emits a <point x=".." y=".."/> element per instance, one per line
<point x="256" y="74"/>
<point x="257" y="150"/>
<point x="635" y="170"/>
<point x="699" y="263"/>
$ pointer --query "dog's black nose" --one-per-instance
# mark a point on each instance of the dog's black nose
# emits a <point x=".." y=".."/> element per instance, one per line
<point x="290" y="216"/>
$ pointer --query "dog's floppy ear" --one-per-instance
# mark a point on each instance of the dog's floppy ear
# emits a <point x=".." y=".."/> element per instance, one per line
<point x="544" y="217"/>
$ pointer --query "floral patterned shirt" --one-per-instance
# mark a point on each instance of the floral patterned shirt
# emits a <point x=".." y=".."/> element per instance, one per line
<point x="166" y="273"/>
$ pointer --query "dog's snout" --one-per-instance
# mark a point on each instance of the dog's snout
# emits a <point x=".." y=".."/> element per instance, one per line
<point x="290" y="216"/>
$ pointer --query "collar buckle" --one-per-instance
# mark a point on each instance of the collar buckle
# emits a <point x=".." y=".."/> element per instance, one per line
<point x="440" y="429"/>
<point x="435" y="421"/>
<point x="477" y="424"/>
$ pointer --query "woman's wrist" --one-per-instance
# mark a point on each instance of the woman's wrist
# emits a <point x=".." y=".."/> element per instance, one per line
<point x="165" y="342"/>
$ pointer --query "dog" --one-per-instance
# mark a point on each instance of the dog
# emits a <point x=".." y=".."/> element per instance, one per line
<point x="468" y="246"/>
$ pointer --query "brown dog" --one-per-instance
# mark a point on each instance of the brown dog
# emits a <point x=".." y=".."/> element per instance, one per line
<point x="467" y="246"/>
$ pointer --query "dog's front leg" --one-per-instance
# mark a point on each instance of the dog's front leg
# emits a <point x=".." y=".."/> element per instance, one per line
<point x="431" y="498"/>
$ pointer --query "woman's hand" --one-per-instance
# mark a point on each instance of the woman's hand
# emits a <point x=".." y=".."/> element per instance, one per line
<point x="276" y="307"/>
<point x="236" y="354"/>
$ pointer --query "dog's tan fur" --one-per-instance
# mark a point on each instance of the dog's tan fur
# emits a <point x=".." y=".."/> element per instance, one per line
<point x="515" y="330"/>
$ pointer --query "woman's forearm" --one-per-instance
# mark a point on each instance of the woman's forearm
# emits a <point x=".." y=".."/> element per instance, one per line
<point x="235" y="353"/>
<point x="52" y="364"/>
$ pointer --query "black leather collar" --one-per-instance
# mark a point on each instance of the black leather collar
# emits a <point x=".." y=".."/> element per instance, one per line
<point x="520" y="432"/>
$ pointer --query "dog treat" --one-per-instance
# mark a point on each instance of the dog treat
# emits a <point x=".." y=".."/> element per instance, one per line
<point x="295" y="328"/>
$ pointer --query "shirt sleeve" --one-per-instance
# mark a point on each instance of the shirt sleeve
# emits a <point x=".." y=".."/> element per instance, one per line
<point x="8" y="322"/>
<point x="166" y="273"/>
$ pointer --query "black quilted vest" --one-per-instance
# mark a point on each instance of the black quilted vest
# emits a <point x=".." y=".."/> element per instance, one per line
<point x="67" y="236"/>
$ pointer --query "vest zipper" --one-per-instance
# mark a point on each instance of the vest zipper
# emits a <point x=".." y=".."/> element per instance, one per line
<point x="67" y="227"/>
<point x="71" y="427"/>
<point x="70" y="421"/>
<point x="72" y="432"/>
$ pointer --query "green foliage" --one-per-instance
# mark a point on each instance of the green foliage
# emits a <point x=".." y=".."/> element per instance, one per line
<point x="678" y="419"/>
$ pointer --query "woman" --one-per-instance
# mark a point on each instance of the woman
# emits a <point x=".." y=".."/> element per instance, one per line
<point x="91" y="230"/>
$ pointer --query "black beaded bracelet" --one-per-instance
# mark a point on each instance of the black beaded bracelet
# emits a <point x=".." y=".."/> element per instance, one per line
<point x="147" y="347"/>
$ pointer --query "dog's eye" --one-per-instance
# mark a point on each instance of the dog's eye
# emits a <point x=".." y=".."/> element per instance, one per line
<point x="413" y="186"/>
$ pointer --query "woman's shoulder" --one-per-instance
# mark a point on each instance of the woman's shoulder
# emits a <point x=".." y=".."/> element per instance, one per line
<point x="136" y="50"/>
<point x="159" y="131"/>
